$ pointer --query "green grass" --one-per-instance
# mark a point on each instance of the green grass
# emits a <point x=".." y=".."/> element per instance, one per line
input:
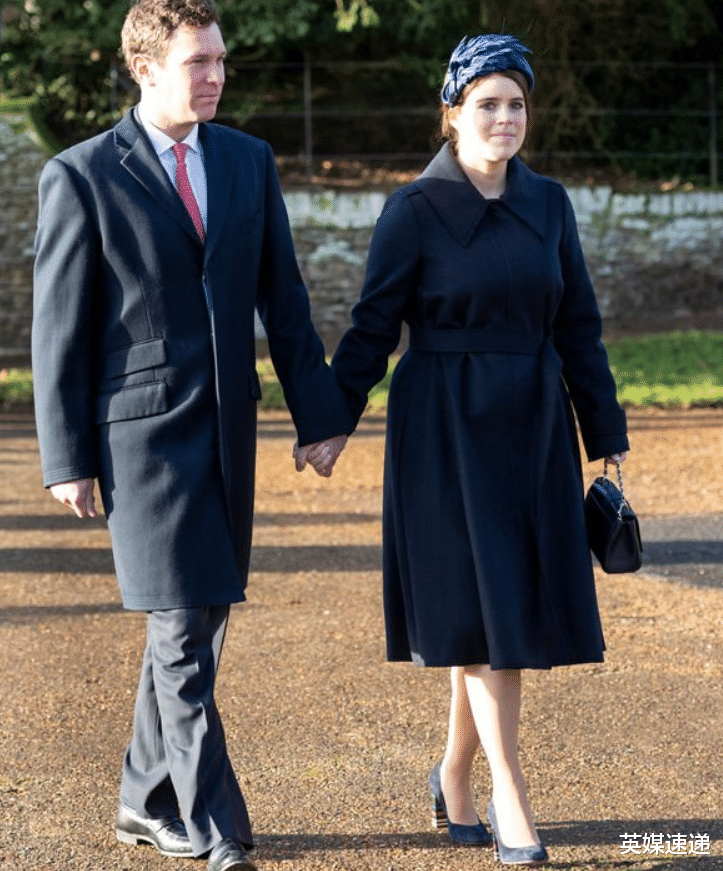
<point x="667" y="370"/>
<point x="16" y="387"/>
<point x="272" y="396"/>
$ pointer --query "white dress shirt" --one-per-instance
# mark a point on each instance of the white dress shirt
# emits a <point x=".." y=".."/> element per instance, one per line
<point x="163" y="146"/>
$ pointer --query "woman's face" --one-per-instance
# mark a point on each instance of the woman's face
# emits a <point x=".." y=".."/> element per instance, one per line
<point x="491" y="122"/>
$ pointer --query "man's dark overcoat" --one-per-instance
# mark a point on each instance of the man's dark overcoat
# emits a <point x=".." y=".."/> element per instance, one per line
<point x="144" y="353"/>
<point x="486" y="558"/>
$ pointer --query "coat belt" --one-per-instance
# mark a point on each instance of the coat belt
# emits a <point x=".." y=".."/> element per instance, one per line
<point x="487" y="341"/>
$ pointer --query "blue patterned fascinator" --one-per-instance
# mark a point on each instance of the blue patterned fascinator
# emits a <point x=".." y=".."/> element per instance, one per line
<point x="480" y="56"/>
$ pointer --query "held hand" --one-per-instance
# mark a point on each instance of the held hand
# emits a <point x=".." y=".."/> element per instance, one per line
<point x="77" y="495"/>
<point x="618" y="458"/>
<point x="321" y="455"/>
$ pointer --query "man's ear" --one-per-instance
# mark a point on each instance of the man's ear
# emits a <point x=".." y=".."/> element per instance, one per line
<point x="142" y="70"/>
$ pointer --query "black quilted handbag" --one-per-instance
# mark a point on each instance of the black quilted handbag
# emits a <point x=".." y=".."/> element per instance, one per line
<point x="613" y="530"/>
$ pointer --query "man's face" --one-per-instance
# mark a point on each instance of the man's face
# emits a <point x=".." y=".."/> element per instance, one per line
<point x="186" y="85"/>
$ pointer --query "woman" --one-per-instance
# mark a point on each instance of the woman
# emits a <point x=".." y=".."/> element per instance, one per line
<point x="486" y="563"/>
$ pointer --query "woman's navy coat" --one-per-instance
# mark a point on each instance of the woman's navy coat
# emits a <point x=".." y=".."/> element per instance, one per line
<point x="485" y="553"/>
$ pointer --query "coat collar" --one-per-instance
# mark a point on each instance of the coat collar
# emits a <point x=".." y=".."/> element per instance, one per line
<point x="139" y="158"/>
<point x="460" y="205"/>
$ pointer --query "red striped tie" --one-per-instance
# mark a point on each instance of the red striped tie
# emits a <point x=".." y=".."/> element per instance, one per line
<point x="185" y="190"/>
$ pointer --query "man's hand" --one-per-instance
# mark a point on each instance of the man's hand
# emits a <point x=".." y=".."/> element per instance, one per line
<point x="321" y="455"/>
<point x="77" y="495"/>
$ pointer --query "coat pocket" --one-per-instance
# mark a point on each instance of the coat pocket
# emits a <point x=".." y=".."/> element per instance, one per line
<point x="127" y="403"/>
<point x="134" y="358"/>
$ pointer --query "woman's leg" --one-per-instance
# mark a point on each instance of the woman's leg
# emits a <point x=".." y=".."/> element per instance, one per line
<point x="495" y="701"/>
<point x="462" y="744"/>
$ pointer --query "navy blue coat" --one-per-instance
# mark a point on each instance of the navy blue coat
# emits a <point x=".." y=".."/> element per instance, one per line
<point x="144" y="353"/>
<point x="485" y="553"/>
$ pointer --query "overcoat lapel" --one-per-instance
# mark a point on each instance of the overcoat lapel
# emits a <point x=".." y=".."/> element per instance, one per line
<point x="220" y="169"/>
<point x="141" y="161"/>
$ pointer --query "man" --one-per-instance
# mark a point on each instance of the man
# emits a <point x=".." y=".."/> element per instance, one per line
<point x="150" y="261"/>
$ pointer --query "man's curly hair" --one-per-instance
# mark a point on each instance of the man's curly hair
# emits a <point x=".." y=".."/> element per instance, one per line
<point x="150" y="24"/>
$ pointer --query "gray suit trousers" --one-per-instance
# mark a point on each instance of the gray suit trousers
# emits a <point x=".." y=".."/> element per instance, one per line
<point x="177" y="760"/>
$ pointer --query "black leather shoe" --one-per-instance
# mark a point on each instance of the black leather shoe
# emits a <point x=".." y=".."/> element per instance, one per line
<point x="167" y="834"/>
<point x="229" y="855"/>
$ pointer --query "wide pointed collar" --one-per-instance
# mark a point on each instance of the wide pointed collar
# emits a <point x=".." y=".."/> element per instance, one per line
<point x="140" y="159"/>
<point x="461" y="206"/>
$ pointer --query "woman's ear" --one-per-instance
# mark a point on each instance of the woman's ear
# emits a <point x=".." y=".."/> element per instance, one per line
<point x="452" y="116"/>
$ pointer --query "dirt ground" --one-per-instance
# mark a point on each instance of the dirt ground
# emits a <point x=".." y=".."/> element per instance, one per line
<point x="331" y="744"/>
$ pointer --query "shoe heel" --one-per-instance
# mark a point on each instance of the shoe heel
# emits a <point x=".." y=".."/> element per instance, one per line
<point x="127" y="837"/>
<point x="439" y="816"/>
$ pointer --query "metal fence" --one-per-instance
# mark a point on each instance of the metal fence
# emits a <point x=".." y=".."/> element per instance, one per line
<point x="296" y="107"/>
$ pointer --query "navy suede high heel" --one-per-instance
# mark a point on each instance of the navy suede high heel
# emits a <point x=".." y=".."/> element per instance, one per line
<point x="535" y="854"/>
<point x="470" y="836"/>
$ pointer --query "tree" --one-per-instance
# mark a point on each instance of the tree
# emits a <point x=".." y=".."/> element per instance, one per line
<point x="66" y="54"/>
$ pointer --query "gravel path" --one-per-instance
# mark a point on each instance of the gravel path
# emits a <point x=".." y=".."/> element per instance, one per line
<point x="332" y="744"/>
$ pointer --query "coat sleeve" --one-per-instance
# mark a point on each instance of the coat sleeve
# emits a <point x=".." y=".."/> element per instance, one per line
<point x="315" y="400"/>
<point x="577" y="332"/>
<point x="63" y="329"/>
<point x="362" y="357"/>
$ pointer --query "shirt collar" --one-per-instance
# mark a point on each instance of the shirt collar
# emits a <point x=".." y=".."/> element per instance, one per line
<point x="161" y="141"/>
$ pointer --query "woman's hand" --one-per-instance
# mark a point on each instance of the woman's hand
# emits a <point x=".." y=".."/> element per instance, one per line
<point x="618" y="458"/>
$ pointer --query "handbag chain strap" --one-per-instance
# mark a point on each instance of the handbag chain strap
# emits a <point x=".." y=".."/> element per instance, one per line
<point x="620" y="484"/>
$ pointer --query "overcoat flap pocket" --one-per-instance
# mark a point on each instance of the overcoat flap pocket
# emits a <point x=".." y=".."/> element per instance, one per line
<point x="142" y="400"/>
<point x="134" y="358"/>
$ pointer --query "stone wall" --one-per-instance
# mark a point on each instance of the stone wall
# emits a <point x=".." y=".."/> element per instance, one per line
<point x="654" y="258"/>
<point x="657" y="255"/>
